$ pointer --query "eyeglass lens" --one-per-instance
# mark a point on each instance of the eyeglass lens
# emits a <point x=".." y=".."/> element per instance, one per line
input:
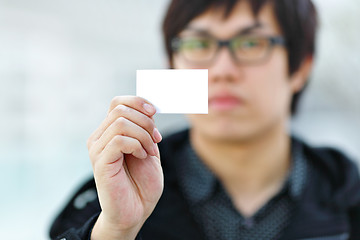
<point x="243" y="48"/>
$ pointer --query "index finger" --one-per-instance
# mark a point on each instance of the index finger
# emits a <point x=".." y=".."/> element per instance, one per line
<point x="135" y="102"/>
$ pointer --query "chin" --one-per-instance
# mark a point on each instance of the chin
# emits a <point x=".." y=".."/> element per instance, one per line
<point x="229" y="134"/>
<point x="226" y="129"/>
<point x="235" y="137"/>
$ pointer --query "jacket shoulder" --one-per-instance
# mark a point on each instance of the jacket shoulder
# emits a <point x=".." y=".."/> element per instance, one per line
<point x="335" y="173"/>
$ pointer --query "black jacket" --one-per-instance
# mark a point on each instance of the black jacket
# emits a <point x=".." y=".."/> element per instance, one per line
<point x="329" y="208"/>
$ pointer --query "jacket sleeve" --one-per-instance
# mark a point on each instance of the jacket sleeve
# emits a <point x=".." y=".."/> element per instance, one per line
<point x="354" y="212"/>
<point x="355" y="222"/>
<point x="353" y="196"/>
<point x="344" y="178"/>
<point x="82" y="233"/>
<point x="77" y="219"/>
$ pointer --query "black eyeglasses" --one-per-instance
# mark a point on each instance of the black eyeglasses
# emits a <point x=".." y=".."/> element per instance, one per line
<point x="247" y="49"/>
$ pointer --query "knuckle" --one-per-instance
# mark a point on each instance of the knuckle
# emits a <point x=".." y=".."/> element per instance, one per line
<point x="118" y="140"/>
<point x="120" y="122"/>
<point x="119" y="110"/>
<point x="128" y="148"/>
<point x="115" y="100"/>
<point x="137" y="102"/>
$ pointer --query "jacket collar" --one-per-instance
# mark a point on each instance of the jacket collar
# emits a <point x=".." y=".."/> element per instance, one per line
<point x="199" y="183"/>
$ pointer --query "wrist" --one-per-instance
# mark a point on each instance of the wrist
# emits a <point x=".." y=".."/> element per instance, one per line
<point x="105" y="230"/>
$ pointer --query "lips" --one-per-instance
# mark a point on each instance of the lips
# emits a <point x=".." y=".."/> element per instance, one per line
<point x="224" y="102"/>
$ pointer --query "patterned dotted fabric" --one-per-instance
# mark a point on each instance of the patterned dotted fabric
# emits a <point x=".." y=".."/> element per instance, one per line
<point x="213" y="210"/>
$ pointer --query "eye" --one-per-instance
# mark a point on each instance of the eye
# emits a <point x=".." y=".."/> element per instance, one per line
<point x="248" y="43"/>
<point x="194" y="43"/>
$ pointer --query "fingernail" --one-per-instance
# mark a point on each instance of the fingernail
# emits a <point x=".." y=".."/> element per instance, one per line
<point x="157" y="135"/>
<point x="148" y="108"/>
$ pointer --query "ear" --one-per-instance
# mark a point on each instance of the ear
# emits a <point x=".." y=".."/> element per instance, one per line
<point x="300" y="77"/>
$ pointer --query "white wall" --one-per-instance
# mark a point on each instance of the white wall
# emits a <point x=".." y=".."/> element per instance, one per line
<point x="61" y="62"/>
<point x="330" y="111"/>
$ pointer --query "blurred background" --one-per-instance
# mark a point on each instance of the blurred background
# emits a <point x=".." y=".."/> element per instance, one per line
<point x="62" y="61"/>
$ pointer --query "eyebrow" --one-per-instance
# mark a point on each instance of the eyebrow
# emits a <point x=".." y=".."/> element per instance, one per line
<point x="243" y="31"/>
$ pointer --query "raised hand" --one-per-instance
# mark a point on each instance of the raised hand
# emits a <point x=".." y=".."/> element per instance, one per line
<point x="127" y="169"/>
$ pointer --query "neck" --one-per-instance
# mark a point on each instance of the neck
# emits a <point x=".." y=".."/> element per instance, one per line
<point x="246" y="166"/>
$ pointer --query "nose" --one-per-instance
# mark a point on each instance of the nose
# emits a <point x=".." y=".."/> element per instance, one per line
<point x="225" y="68"/>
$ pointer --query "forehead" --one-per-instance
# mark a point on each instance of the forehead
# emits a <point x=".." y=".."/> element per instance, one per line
<point x="241" y="17"/>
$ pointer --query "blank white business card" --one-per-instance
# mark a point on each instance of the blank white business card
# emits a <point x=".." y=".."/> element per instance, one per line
<point x="174" y="90"/>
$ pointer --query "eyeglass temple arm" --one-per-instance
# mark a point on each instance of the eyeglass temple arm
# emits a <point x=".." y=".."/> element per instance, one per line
<point x="277" y="40"/>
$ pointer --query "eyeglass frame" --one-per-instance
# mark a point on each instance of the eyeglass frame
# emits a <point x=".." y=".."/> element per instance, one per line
<point x="273" y="41"/>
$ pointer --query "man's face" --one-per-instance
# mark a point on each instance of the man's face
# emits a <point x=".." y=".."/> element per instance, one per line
<point x="245" y="100"/>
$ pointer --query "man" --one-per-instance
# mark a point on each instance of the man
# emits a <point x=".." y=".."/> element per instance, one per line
<point x="236" y="173"/>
